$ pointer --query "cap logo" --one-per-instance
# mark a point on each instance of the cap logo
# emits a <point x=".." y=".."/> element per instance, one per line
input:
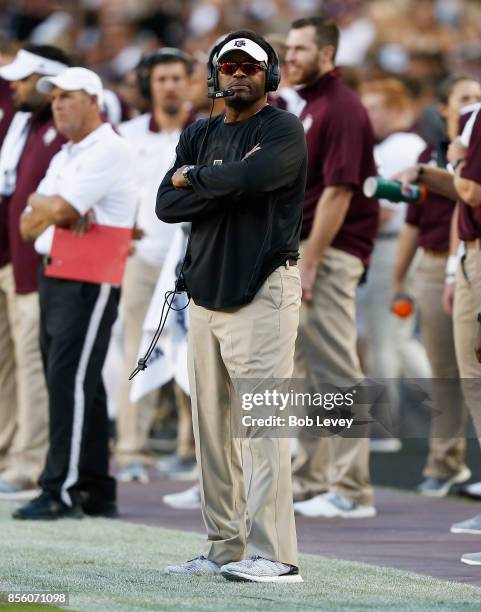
<point x="240" y="43"/>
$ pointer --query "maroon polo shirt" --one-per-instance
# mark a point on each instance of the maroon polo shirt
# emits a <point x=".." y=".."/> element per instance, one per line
<point x="433" y="216"/>
<point x="7" y="111"/>
<point x="469" y="220"/>
<point x="43" y="142"/>
<point x="340" y="145"/>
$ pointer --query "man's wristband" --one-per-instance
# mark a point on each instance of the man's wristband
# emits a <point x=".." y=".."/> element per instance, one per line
<point x="420" y="168"/>
<point x="452" y="265"/>
<point x="479" y="317"/>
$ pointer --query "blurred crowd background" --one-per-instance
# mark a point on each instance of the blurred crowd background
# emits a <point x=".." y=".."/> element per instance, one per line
<point x="418" y="41"/>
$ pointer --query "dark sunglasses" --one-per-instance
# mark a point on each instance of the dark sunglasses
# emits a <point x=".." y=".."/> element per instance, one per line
<point x="248" y="68"/>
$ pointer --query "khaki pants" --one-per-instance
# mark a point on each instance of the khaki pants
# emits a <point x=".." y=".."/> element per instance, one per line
<point x="249" y="478"/>
<point x="185" y="434"/>
<point x="135" y="419"/>
<point x="23" y="397"/>
<point x="467" y="305"/>
<point x="326" y="351"/>
<point x="446" y="454"/>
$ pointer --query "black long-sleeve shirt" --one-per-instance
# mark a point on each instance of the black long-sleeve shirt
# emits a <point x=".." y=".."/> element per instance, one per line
<point x="246" y="214"/>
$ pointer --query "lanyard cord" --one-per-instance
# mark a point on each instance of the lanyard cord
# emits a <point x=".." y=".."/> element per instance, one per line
<point x="169" y="296"/>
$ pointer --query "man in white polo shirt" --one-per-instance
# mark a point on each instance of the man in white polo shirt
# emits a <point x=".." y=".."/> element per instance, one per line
<point x="91" y="175"/>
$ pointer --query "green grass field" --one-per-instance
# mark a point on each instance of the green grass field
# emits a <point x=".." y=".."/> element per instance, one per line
<point x="112" y="565"/>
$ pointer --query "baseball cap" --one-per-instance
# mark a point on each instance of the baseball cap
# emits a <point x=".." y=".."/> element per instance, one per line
<point x="247" y="46"/>
<point x="74" y="79"/>
<point x="27" y="63"/>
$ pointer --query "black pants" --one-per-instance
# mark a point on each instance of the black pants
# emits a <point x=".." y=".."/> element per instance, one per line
<point x="75" y="325"/>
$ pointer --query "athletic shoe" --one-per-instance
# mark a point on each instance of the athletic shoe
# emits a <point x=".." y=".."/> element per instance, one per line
<point x="258" y="569"/>
<point x="15" y="492"/>
<point x="47" y="508"/>
<point x="98" y="507"/>
<point x="471" y="559"/>
<point x="187" y="500"/>
<point x="385" y="445"/>
<point x="472" y="490"/>
<point x="330" y="505"/>
<point x="134" y="472"/>
<point x="200" y="566"/>
<point x="472" y="525"/>
<point x="440" y="487"/>
<point x="177" y="468"/>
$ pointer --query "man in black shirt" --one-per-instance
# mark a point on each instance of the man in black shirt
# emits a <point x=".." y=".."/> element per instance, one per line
<point x="240" y="180"/>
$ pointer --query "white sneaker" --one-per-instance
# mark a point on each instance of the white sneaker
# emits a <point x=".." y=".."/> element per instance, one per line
<point x="471" y="559"/>
<point x="330" y="505"/>
<point x="258" y="569"/>
<point x="200" y="566"/>
<point x="472" y="526"/>
<point x="134" y="472"/>
<point x="188" y="500"/>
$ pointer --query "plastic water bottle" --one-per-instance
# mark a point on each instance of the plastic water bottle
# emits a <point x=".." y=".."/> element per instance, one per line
<point x="378" y="187"/>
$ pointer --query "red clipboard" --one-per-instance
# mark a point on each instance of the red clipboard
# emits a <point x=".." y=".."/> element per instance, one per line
<point x="98" y="256"/>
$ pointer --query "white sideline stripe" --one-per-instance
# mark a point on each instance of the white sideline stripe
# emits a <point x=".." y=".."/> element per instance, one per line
<point x="79" y="396"/>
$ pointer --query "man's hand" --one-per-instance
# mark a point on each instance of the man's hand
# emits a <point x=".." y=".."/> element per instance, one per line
<point x="178" y="180"/>
<point x="448" y="298"/>
<point x="82" y="225"/>
<point x="308" y="270"/>
<point x="407" y="176"/>
<point x="252" y="151"/>
<point x="456" y="150"/>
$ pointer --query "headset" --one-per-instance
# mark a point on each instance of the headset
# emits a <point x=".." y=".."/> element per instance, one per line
<point x="147" y="62"/>
<point x="273" y="73"/>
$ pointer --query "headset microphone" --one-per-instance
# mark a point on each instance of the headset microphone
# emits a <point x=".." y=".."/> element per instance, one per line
<point x="227" y="93"/>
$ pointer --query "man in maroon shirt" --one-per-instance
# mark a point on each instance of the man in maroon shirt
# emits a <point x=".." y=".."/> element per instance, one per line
<point x="338" y="233"/>
<point x="7" y="111"/>
<point x="28" y="147"/>
<point x="466" y="187"/>
<point x="428" y="227"/>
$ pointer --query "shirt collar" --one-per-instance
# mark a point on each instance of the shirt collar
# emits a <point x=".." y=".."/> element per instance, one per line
<point x="90" y="139"/>
<point x="314" y="90"/>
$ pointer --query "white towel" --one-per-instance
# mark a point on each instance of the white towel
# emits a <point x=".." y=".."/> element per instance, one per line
<point x="11" y="151"/>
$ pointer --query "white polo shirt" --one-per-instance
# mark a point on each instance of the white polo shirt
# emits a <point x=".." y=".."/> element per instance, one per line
<point x="94" y="174"/>
<point x="395" y="153"/>
<point x="154" y="153"/>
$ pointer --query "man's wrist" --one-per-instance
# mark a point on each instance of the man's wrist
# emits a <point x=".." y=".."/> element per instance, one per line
<point x="185" y="174"/>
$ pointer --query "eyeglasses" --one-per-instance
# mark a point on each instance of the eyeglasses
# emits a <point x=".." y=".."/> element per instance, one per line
<point x="248" y="68"/>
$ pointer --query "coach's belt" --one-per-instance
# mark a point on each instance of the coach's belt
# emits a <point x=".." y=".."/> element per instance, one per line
<point x="473" y="244"/>
<point x="291" y="261"/>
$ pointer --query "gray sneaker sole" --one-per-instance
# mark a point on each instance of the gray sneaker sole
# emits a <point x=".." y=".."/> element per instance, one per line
<point x="470" y="561"/>
<point x="241" y="577"/>
<point x="465" y="530"/>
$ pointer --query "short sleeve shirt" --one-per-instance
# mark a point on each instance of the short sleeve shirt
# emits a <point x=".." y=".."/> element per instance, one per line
<point x="469" y="220"/>
<point x="433" y="216"/>
<point x="95" y="174"/>
<point x="340" y="146"/>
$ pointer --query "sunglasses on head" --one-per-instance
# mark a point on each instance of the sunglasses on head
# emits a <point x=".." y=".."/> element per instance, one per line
<point x="248" y="68"/>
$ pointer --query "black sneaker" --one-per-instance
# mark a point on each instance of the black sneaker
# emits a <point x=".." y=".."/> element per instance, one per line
<point x="96" y="507"/>
<point x="47" y="508"/>
<point x="105" y="509"/>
